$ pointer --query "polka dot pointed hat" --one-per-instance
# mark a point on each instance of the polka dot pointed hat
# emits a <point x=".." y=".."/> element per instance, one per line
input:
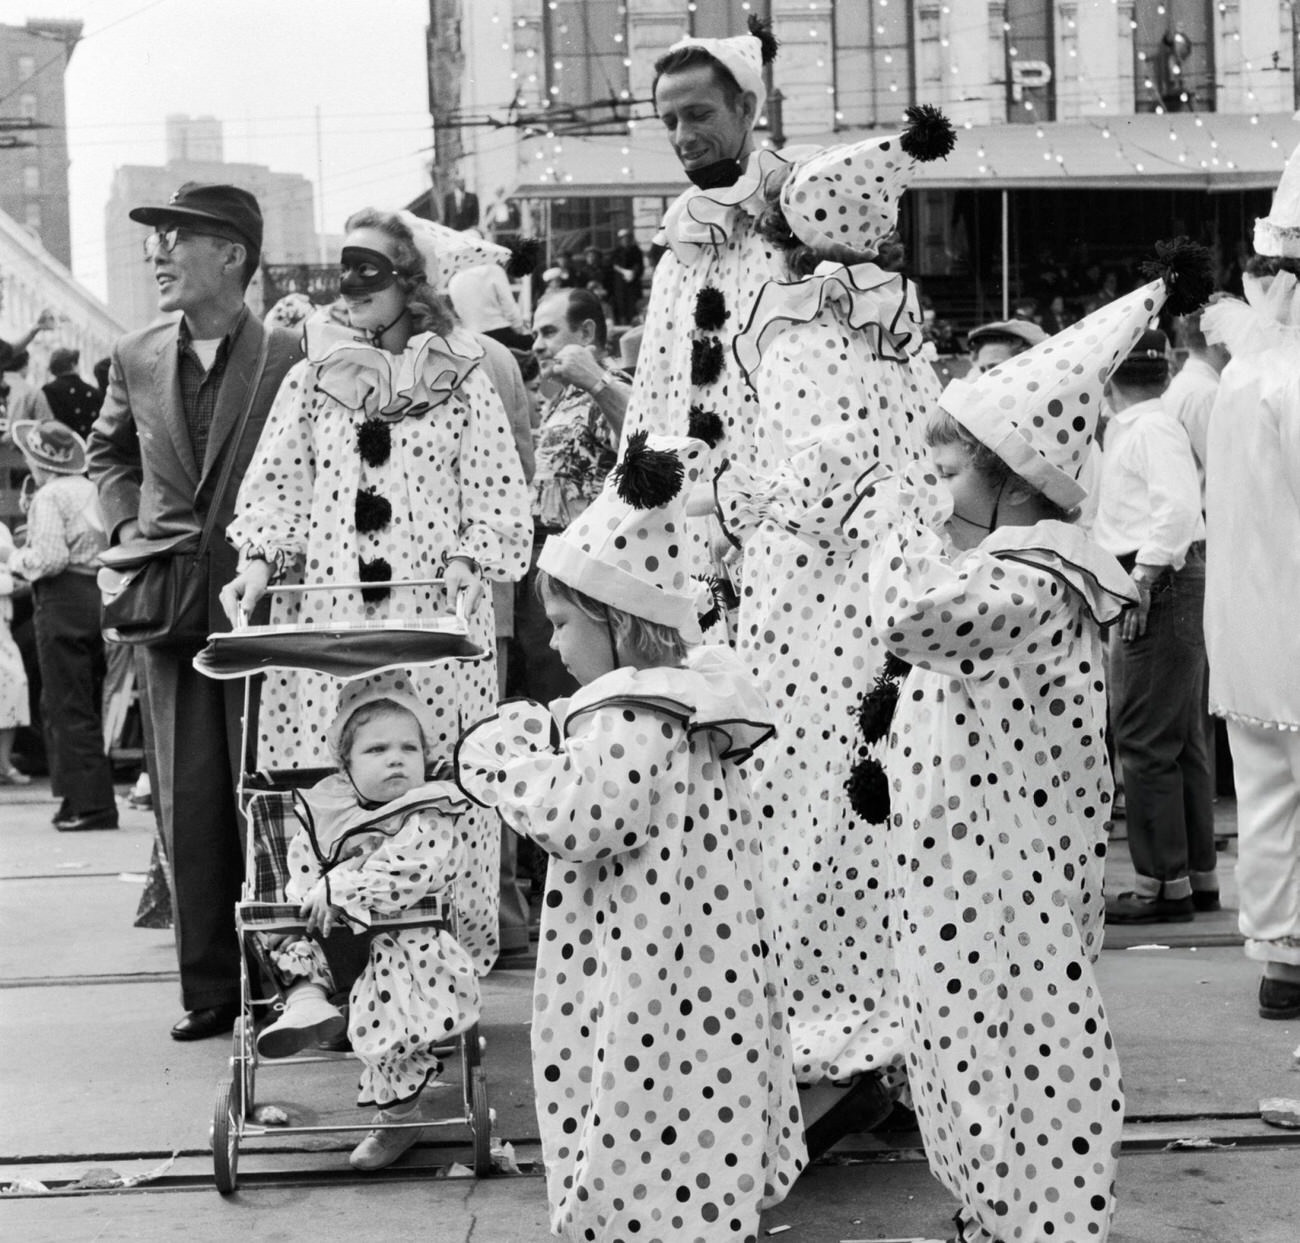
<point x="1038" y="411"/>
<point x="1278" y="233"/>
<point x="849" y="195"/>
<point x="447" y="251"/>
<point x="629" y="548"/>
<point x="743" y="56"/>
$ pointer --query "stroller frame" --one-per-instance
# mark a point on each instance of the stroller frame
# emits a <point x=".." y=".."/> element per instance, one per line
<point x="258" y="914"/>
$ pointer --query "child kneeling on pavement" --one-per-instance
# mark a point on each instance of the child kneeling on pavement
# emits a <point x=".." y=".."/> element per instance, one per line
<point x="375" y="840"/>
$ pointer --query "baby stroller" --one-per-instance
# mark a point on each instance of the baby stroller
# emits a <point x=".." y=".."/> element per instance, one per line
<point x="267" y="796"/>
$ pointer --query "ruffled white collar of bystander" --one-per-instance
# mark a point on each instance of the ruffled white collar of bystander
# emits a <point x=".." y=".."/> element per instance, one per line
<point x="363" y="377"/>
<point x="708" y="217"/>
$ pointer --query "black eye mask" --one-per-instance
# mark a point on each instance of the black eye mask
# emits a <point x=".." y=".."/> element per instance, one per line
<point x="363" y="271"/>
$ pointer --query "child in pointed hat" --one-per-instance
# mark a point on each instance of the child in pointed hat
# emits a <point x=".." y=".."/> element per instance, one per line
<point x="665" y="1091"/>
<point x="997" y="772"/>
<point x="832" y="351"/>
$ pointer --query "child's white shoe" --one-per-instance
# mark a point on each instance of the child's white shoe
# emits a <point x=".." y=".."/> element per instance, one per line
<point x="382" y="1146"/>
<point x="307" y="1022"/>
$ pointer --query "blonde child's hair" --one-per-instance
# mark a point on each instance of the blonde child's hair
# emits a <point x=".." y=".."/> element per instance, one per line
<point x="944" y="429"/>
<point x="368" y="712"/>
<point x="652" y="641"/>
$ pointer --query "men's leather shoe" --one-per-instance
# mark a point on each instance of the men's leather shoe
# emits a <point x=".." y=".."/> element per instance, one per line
<point x="1279" y="999"/>
<point x="78" y="821"/>
<point x="200" y="1024"/>
<point x="1206" y="899"/>
<point x="1135" y="908"/>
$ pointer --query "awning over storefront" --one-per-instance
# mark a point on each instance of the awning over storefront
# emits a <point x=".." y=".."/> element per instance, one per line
<point x="1175" y="151"/>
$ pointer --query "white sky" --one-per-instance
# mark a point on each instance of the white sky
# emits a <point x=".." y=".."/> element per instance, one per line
<point x="260" y="66"/>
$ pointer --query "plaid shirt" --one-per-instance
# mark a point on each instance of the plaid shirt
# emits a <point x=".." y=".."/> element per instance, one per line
<point x="200" y="388"/>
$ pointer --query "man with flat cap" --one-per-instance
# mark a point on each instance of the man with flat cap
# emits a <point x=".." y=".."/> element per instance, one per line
<point x="185" y="396"/>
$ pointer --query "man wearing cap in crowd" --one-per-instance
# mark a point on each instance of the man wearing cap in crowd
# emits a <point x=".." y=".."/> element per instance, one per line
<point x="65" y="535"/>
<point x="72" y="401"/>
<point x="1252" y="590"/>
<point x="994" y="343"/>
<point x="708" y="94"/>
<point x="185" y="395"/>
<point x="1149" y="518"/>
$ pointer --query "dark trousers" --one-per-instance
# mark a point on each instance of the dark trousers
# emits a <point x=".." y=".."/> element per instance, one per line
<point x="70" y="649"/>
<point x="537" y="671"/>
<point x="512" y="338"/>
<point x="1158" y="691"/>
<point x="192" y="747"/>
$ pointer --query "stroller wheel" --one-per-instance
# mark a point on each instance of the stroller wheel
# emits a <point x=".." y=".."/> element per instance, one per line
<point x="225" y="1140"/>
<point x="243" y="1066"/>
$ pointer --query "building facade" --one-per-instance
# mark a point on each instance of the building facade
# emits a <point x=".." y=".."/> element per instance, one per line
<point x="34" y="161"/>
<point x="287" y="201"/>
<point x="555" y="113"/>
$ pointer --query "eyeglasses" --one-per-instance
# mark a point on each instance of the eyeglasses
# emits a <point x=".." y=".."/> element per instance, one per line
<point x="163" y="241"/>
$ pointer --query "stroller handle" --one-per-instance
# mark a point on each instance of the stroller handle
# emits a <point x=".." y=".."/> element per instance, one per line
<point x="302" y="588"/>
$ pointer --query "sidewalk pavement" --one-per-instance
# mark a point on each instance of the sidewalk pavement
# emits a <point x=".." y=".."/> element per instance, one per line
<point x="91" y="1079"/>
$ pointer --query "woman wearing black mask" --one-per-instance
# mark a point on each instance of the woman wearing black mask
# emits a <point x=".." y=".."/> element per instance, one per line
<point x="387" y="457"/>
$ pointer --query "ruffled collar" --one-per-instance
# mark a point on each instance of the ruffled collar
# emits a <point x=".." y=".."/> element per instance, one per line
<point x="1069" y="555"/>
<point x="330" y="812"/>
<point x="1268" y="318"/>
<point x="361" y="376"/>
<point x="883" y="305"/>
<point x="712" y="691"/>
<point x="707" y="217"/>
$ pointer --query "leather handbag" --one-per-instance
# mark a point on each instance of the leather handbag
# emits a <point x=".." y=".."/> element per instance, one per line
<point x="155" y="592"/>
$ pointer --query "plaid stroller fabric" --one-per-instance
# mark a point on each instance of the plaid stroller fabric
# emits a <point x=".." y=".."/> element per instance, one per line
<point x="263" y="906"/>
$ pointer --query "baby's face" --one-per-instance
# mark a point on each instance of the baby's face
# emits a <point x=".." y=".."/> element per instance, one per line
<point x="387" y="757"/>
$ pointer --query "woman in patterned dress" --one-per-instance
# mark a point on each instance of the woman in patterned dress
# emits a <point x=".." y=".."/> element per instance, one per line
<point x="387" y="456"/>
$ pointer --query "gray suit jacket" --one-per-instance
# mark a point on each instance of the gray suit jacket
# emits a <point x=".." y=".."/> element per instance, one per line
<point x="139" y="451"/>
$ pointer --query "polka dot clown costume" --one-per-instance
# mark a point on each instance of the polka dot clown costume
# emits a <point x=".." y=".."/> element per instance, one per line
<point x="374" y="467"/>
<point x="704" y="285"/>
<point x="419" y="986"/>
<point x="834" y="361"/>
<point x="1000" y="789"/>
<point x="666" y="1096"/>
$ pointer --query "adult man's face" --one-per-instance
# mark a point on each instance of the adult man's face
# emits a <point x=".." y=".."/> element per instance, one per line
<point x="551" y="331"/>
<point x="988" y="354"/>
<point x="199" y="269"/>
<point x="702" y="126"/>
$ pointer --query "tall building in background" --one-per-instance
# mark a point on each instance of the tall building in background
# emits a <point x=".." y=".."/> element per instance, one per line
<point x="34" y="162"/>
<point x="194" y="151"/>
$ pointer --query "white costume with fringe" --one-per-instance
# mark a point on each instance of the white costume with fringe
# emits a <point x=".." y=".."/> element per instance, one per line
<point x="419" y="986"/>
<point x="1252" y="598"/>
<point x="665" y="1093"/>
<point x="453" y="482"/>
<point x="833" y="358"/>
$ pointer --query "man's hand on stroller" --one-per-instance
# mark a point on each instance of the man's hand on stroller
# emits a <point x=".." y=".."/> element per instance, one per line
<point x="321" y="917"/>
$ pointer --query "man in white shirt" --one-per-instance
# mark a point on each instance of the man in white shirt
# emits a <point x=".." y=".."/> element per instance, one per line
<point x="486" y="304"/>
<point x="1191" y="393"/>
<point x="1149" y="517"/>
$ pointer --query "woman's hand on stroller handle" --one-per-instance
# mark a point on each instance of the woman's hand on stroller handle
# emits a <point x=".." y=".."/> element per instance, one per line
<point x="464" y="575"/>
<point x="240" y="596"/>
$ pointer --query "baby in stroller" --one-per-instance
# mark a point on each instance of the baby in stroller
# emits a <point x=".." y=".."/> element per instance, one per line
<point x="375" y="839"/>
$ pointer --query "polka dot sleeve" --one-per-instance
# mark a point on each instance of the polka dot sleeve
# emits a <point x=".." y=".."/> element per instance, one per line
<point x="303" y="866"/>
<point x="599" y="795"/>
<point x="273" y="508"/>
<point x="419" y="859"/>
<point x="967" y="615"/>
<point x="495" y="529"/>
